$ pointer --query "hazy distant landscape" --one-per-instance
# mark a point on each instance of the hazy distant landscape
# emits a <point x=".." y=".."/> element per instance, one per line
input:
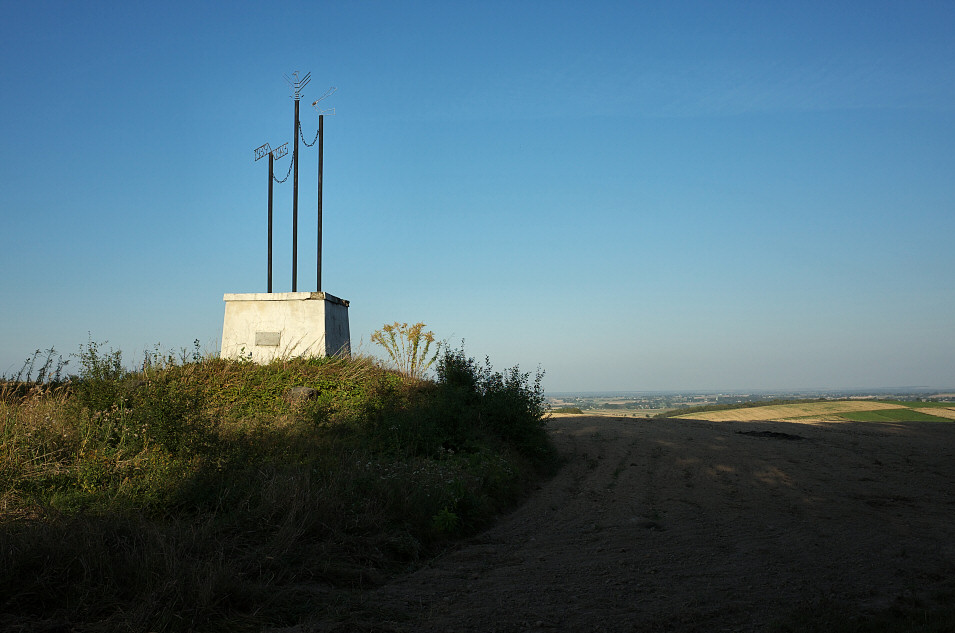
<point x="648" y="404"/>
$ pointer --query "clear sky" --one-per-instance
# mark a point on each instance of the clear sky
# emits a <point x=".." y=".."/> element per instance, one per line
<point x="634" y="196"/>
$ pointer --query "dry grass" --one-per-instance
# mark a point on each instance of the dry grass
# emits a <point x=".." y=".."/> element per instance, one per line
<point x="816" y="411"/>
<point x="946" y="412"/>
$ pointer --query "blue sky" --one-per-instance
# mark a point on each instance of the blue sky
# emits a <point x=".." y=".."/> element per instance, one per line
<point x="679" y="195"/>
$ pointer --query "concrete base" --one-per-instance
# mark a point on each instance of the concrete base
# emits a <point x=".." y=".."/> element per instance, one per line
<point x="266" y="326"/>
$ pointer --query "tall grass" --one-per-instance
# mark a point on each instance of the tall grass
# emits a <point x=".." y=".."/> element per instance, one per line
<point x="196" y="493"/>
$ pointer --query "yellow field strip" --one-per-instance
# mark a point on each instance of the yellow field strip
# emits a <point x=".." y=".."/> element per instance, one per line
<point x="946" y="412"/>
<point x="813" y="419"/>
<point x="786" y="411"/>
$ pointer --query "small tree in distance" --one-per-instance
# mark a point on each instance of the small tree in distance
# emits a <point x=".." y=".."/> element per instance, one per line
<point x="408" y="347"/>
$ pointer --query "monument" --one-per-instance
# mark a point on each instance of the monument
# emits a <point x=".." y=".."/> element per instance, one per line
<point x="266" y="326"/>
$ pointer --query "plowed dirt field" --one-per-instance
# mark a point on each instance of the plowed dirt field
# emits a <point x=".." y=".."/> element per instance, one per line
<point x="682" y="525"/>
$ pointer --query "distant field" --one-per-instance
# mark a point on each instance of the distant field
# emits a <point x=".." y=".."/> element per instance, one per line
<point x="893" y="415"/>
<point x="850" y="411"/>
<point x="946" y="412"/>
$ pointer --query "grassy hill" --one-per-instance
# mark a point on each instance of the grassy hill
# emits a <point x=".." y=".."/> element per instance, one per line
<point x="214" y="495"/>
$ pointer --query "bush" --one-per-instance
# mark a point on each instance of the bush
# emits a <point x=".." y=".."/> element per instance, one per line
<point x="508" y="405"/>
<point x="98" y="383"/>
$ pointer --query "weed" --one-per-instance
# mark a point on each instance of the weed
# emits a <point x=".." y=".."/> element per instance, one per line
<point x="99" y="378"/>
<point x="408" y="347"/>
<point x="49" y="376"/>
<point x="445" y="521"/>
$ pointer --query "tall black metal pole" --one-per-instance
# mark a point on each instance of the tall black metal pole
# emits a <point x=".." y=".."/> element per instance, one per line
<point x="295" y="202"/>
<point x="271" y="175"/>
<point x="318" y="275"/>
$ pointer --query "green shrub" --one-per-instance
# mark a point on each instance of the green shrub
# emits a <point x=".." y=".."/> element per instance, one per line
<point x="99" y="380"/>
<point x="575" y="410"/>
<point x="508" y="405"/>
<point x="169" y="413"/>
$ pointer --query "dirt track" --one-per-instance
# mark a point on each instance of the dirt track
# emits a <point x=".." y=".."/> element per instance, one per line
<point x="666" y="525"/>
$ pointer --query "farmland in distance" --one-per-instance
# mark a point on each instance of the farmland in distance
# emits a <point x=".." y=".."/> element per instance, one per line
<point x="835" y="411"/>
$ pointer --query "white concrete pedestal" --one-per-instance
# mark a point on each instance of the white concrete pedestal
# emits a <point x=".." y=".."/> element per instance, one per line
<point x="266" y="326"/>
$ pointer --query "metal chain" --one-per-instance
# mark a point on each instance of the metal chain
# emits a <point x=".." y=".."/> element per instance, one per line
<point x="286" y="175"/>
<point x="307" y="144"/>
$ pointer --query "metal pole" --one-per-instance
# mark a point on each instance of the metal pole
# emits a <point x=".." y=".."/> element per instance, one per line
<point x="321" y="119"/>
<point x="271" y="175"/>
<point x="295" y="202"/>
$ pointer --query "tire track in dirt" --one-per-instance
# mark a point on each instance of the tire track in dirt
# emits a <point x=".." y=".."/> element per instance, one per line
<point x="681" y="525"/>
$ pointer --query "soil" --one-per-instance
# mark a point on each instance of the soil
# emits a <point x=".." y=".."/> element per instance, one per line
<point x="682" y="525"/>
